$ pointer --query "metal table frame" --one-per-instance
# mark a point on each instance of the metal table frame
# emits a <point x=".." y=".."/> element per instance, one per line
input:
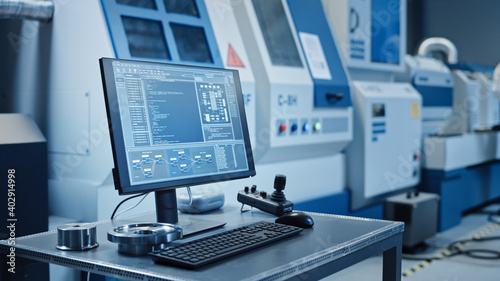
<point x="333" y="244"/>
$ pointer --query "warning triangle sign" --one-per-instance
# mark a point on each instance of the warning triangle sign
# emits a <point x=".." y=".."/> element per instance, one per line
<point x="232" y="58"/>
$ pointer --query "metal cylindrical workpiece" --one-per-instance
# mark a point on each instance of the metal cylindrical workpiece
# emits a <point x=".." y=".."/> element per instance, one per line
<point x="138" y="239"/>
<point x="76" y="237"/>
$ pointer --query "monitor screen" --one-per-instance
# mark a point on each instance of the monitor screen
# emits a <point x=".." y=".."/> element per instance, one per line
<point x="386" y="31"/>
<point x="174" y="125"/>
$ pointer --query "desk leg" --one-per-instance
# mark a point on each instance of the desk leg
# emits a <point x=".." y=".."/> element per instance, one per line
<point x="392" y="261"/>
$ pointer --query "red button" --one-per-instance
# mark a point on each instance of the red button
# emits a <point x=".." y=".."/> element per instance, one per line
<point x="282" y="127"/>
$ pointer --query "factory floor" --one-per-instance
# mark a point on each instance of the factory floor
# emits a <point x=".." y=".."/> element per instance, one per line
<point x="456" y="268"/>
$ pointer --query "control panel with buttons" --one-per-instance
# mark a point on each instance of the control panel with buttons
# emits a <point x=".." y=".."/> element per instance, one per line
<point x="275" y="203"/>
<point x="293" y="127"/>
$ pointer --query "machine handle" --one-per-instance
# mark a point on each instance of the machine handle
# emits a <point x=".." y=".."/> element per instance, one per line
<point x="356" y="23"/>
<point x="333" y="98"/>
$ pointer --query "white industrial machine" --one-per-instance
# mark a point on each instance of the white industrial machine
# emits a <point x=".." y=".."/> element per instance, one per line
<point x="384" y="157"/>
<point x="289" y="125"/>
<point x="434" y="81"/>
<point x="466" y="103"/>
<point x="496" y="82"/>
<point x="474" y="105"/>
<point x="490" y="105"/>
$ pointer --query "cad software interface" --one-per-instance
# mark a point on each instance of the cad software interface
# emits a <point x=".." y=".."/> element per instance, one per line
<point x="178" y="122"/>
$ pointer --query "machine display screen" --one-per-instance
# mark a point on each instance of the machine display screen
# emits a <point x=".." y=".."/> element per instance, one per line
<point x="385" y="31"/>
<point x="191" y="43"/>
<point x="145" y="38"/>
<point x="277" y="33"/>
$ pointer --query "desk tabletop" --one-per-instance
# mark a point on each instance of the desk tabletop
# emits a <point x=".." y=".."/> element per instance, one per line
<point x="331" y="238"/>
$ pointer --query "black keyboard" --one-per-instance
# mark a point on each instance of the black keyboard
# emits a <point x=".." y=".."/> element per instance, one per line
<point x="207" y="250"/>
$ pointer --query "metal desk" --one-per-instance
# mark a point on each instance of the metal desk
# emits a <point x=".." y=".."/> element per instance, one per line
<point x="334" y="243"/>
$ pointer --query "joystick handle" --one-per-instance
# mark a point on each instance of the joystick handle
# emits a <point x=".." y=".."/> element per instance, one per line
<point x="279" y="182"/>
<point x="279" y="185"/>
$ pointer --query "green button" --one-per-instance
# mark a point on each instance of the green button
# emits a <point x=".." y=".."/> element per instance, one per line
<point x="317" y="126"/>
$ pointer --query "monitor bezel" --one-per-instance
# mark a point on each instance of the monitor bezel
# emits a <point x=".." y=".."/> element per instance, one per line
<point x="121" y="170"/>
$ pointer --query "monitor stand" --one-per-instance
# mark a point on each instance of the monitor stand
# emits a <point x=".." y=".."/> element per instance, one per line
<point x="166" y="211"/>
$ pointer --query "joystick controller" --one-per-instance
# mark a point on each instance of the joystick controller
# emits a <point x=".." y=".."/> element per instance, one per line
<point x="279" y="186"/>
<point x="275" y="203"/>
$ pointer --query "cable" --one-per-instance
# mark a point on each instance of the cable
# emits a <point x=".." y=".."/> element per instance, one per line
<point x="419" y="257"/>
<point x="492" y="220"/>
<point x="455" y="249"/>
<point x="188" y="188"/>
<point x="125" y="200"/>
<point x="128" y="209"/>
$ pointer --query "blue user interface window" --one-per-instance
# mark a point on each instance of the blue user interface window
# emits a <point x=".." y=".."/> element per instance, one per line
<point x="177" y="31"/>
<point x="385" y="31"/>
<point x="179" y="122"/>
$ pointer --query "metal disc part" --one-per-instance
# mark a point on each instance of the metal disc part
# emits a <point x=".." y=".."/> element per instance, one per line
<point x="76" y="237"/>
<point x="140" y="238"/>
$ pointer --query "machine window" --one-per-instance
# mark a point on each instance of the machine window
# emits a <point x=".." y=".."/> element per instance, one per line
<point x="184" y="7"/>
<point x="145" y="38"/>
<point x="192" y="43"/>
<point x="277" y="33"/>
<point x="147" y="4"/>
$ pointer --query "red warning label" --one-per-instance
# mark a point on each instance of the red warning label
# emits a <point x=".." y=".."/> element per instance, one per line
<point x="232" y="58"/>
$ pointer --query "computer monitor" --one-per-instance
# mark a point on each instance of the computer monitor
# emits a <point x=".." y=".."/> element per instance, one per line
<point x="174" y="126"/>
